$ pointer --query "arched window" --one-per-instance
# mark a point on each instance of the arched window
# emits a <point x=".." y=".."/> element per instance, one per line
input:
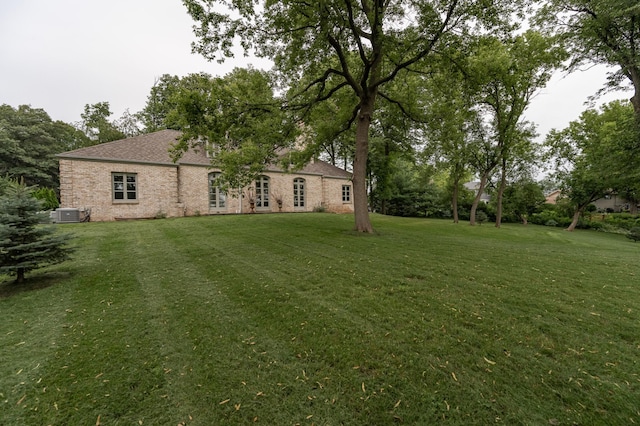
<point x="298" y="192"/>
<point x="262" y="192"/>
<point x="217" y="197"/>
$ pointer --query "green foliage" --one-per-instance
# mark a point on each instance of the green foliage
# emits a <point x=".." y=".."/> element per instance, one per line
<point x="599" y="32"/>
<point x="29" y="140"/>
<point x="551" y="216"/>
<point x="24" y="245"/>
<point x="522" y="199"/>
<point x="96" y="125"/>
<point x="634" y="234"/>
<point x="481" y="217"/>
<point x="48" y="198"/>
<point x="408" y="191"/>
<point x="594" y="155"/>
<point x="353" y="56"/>
<point x="237" y="119"/>
<point x="622" y="220"/>
<point x="160" y="111"/>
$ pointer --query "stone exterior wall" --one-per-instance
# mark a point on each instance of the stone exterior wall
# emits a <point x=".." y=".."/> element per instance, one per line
<point x="333" y="195"/>
<point x="88" y="185"/>
<point x="172" y="190"/>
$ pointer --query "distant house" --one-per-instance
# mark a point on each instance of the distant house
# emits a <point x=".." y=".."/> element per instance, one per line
<point x="552" y="197"/>
<point x="615" y="204"/>
<point x="473" y="187"/>
<point x="609" y="203"/>
<point x="135" y="178"/>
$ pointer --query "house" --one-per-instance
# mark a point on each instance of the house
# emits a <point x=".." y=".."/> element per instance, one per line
<point x="611" y="203"/>
<point x="474" y="187"/>
<point x="553" y="196"/>
<point x="136" y="178"/>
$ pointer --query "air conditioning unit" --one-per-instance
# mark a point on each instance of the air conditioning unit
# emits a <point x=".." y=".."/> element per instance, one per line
<point x="67" y="215"/>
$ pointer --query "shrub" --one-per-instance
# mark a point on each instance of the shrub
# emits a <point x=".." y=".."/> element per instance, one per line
<point x="481" y="217"/>
<point x="634" y="233"/>
<point x="622" y="220"/>
<point x="48" y="198"/>
<point x="546" y="216"/>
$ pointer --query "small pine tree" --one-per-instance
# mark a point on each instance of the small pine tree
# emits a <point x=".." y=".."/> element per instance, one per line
<point x="481" y="217"/>
<point x="26" y="245"/>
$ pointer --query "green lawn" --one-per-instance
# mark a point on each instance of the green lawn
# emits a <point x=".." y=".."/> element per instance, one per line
<point x="294" y="319"/>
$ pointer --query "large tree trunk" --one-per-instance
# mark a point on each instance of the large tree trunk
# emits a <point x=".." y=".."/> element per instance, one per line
<point x="634" y="72"/>
<point x="454" y="201"/>
<point x="476" y="200"/>
<point x="360" y="204"/>
<point x="503" y="185"/>
<point x="574" y="222"/>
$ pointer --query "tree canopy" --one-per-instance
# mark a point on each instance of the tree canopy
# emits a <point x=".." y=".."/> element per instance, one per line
<point x="29" y="139"/>
<point x="96" y="125"/>
<point x="236" y="119"/>
<point x="592" y="155"/>
<point x="322" y="49"/>
<point x="600" y="32"/>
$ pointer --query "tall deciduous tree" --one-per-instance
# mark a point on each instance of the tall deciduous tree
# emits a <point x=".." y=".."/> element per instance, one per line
<point x="163" y="99"/>
<point x="96" y="125"/>
<point x="323" y="48"/>
<point x="505" y="74"/>
<point x="29" y="139"/>
<point x="602" y="32"/>
<point x="592" y="155"/>
<point x="449" y="123"/>
<point x="523" y="198"/>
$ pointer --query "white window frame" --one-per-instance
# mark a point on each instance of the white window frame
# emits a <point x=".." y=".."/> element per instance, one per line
<point x="262" y="184"/>
<point x="299" y="195"/>
<point x="217" y="197"/>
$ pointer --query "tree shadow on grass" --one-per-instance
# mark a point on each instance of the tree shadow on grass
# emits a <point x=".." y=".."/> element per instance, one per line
<point x="9" y="288"/>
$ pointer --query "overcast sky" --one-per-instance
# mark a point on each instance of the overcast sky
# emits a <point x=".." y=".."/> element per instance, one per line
<point x="61" y="55"/>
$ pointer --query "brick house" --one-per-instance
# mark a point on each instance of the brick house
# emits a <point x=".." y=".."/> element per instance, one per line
<point x="135" y="178"/>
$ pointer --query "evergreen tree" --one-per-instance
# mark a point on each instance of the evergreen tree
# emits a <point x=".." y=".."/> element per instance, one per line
<point x="26" y="245"/>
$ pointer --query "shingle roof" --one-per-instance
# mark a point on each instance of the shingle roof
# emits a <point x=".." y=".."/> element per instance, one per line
<point x="147" y="148"/>
<point x="153" y="148"/>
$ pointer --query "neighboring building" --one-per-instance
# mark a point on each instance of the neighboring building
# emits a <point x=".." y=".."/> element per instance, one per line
<point x="615" y="204"/>
<point x="553" y="196"/>
<point x="609" y="203"/>
<point x="474" y="187"/>
<point x="135" y="178"/>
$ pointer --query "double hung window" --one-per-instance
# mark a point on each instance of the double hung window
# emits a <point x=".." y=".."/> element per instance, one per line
<point x="125" y="187"/>
<point x="346" y="193"/>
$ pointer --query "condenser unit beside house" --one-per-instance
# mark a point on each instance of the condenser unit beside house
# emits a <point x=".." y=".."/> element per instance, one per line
<point x="67" y="215"/>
